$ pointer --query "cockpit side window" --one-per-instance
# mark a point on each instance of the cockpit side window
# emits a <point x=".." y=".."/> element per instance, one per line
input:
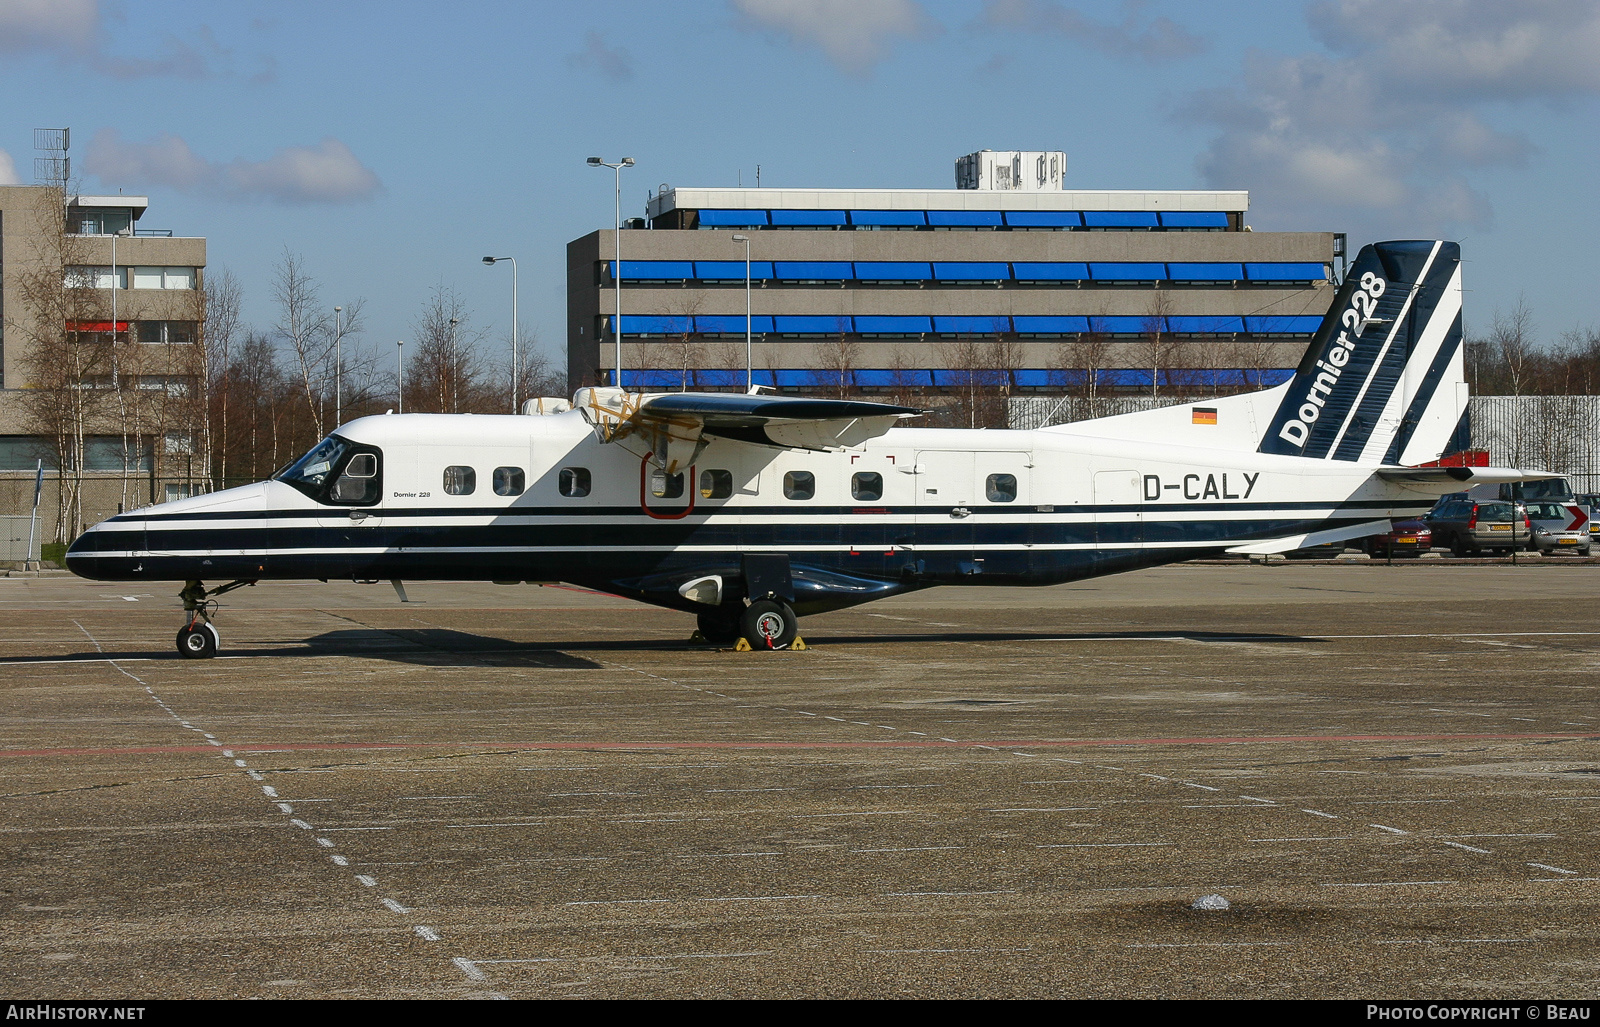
<point x="338" y="472"/>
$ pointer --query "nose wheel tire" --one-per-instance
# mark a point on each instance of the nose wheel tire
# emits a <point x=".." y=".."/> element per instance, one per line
<point x="197" y="641"/>
<point x="768" y="624"/>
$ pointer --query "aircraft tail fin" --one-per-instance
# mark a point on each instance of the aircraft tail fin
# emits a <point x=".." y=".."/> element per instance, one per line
<point x="1383" y="380"/>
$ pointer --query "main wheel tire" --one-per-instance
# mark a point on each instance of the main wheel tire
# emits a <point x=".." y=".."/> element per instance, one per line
<point x="767" y="624"/>
<point x="197" y="642"/>
<point x="720" y="626"/>
<point x="1458" y="547"/>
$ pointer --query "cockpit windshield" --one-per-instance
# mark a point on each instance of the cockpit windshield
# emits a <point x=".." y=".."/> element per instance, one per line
<point x="338" y="472"/>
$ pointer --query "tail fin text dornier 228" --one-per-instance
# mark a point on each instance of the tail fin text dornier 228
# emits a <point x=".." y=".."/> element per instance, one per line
<point x="749" y="511"/>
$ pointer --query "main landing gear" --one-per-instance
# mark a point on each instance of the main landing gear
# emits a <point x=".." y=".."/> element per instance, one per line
<point x="764" y="624"/>
<point x="198" y="638"/>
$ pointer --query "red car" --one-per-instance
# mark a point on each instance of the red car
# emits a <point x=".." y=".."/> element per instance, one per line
<point x="1408" y="536"/>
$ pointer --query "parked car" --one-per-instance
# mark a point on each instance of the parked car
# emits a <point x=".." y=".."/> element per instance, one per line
<point x="1469" y="526"/>
<point x="1411" y="535"/>
<point x="1559" y="527"/>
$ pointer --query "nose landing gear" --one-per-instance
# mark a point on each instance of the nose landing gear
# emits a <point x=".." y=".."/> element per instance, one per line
<point x="198" y="638"/>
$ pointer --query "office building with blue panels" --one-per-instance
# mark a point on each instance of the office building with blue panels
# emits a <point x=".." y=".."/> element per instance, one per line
<point x="881" y="289"/>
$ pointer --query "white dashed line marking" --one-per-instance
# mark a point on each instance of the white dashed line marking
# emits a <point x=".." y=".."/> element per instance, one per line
<point x="426" y="933"/>
<point x="394" y="906"/>
<point x="1391" y="830"/>
<point x="1467" y="848"/>
<point x="1553" y="870"/>
<point x="367" y="881"/>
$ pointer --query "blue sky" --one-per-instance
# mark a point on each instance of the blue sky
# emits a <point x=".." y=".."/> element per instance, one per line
<point x="393" y="145"/>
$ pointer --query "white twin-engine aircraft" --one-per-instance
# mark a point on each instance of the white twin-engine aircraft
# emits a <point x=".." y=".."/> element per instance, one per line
<point x="751" y="510"/>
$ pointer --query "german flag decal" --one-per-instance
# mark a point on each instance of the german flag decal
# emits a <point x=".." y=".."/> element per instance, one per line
<point x="1204" y="415"/>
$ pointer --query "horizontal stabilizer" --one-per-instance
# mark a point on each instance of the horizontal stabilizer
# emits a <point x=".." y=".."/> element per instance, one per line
<point x="1461" y="475"/>
<point x="1313" y="538"/>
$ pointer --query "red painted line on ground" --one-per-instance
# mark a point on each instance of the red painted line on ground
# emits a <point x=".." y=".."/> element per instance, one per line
<point x="1053" y="743"/>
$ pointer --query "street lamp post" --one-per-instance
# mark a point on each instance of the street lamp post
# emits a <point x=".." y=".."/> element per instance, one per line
<point x="400" y="348"/>
<point x="455" y="367"/>
<point x="616" y="279"/>
<point x="338" y="365"/>
<point x="749" y="357"/>
<point x="516" y="363"/>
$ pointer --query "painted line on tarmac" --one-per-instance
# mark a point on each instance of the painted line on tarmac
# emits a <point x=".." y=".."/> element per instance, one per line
<point x="897" y="744"/>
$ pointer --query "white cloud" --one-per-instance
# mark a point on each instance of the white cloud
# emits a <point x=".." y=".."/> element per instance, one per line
<point x="611" y="61"/>
<point x="1160" y="40"/>
<point x="1384" y="127"/>
<point x="8" y="170"/>
<point x="855" y="34"/>
<point x="325" y="173"/>
<point x="48" y="24"/>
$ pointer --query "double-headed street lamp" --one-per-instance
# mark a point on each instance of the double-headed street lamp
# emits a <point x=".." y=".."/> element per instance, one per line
<point x="516" y="365"/>
<point x="749" y="358"/>
<point x="616" y="279"/>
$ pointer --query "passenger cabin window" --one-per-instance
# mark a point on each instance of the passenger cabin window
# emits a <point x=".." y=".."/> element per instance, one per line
<point x="460" y="481"/>
<point x="509" y="481"/>
<point x="716" y="484"/>
<point x="573" y="482"/>
<point x="799" y="485"/>
<point x="1001" y="488"/>
<point x="866" y="486"/>
<point x="666" y="486"/>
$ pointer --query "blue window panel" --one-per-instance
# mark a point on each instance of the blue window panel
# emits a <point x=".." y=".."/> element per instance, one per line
<point x="1122" y="271"/>
<point x="892" y="270"/>
<point x="808" y="378"/>
<point x="1205" y="325"/>
<point x="1286" y="272"/>
<point x="1035" y="379"/>
<point x="1125" y="325"/>
<point x="768" y="377"/>
<point x="731" y="270"/>
<point x="732" y="218"/>
<point x="964" y="218"/>
<point x="951" y="378"/>
<point x="971" y="271"/>
<point x="969" y="325"/>
<point x="888" y="217"/>
<point x="654" y="270"/>
<point x="652" y="324"/>
<point x="1299" y="324"/>
<point x="810" y="325"/>
<point x="1205" y="272"/>
<point x="808" y="217"/>
<point x="1126" y="377"/>
<point x="825" y="270"/>
<point x="888" y="379"/>
<point x="1043" y="218"/>
<point x="1051" y="325"/>
<point x="1051" y="272"/>
<point x="881" y="325"/>
<point x="719" y="378"/>
<point x="1194" y="219"/>
<point x="1120" y="219"/>
<point x="732" y="324"/>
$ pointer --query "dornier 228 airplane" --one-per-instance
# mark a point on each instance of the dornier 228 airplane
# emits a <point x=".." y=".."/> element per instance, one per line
<point x="749" y="510"/>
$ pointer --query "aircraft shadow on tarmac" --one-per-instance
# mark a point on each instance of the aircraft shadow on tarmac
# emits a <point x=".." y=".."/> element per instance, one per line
<point x="445" y="647"/>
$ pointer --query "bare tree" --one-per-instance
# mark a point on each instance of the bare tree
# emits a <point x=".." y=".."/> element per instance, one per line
<point x="304" y="326"/>
<point x="837" y="360"/>
<point x="1158" y="344"/>
<point x="445" y="365"/>
<point x="223" y="324"/>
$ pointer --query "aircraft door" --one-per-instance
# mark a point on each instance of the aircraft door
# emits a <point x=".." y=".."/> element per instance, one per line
<point x="1002" y="513"/>
<point x="355" y="529"/>
<point x="944" y="505"/>
<point x="1118" y="509"/>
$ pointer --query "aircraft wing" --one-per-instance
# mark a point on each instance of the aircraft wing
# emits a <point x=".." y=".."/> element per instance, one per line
<point x="677" y="425"/>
